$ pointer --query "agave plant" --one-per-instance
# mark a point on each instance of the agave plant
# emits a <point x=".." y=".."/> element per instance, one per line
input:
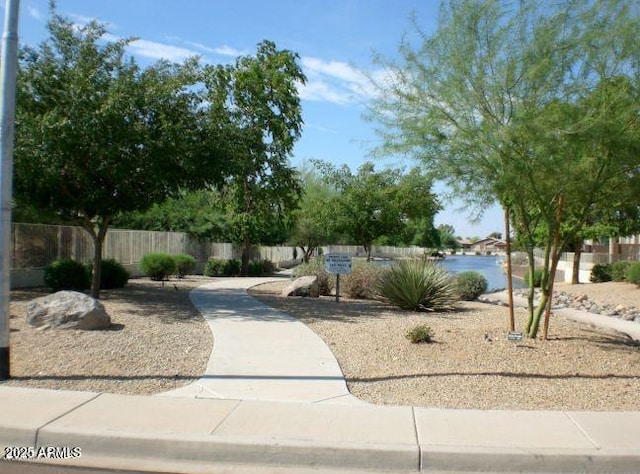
<point x="418" y="285"/>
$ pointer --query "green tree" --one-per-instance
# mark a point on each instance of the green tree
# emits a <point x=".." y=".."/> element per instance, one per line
<point x="371" y="204"/>
<point x="263" y="119"/>
<point x="496" y="102"/>
<point x="200" y="213"/>
<point x="448" y="238"/>
<point x="313" y="220"/>
<point x="96" y="135"/>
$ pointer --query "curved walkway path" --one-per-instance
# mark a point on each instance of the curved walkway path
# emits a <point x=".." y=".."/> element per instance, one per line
<point x="260" y="353"/>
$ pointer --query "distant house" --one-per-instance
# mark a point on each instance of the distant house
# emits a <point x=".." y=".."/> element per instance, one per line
<point x="489" y="245"/>
<point x="465" y="244"/>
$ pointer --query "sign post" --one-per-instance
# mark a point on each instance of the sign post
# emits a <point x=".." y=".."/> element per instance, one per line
<point x="339" y="264"/>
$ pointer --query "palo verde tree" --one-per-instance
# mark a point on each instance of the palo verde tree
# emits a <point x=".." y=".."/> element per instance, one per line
<point x="97" y="135"/>
<point x="516" y="103"/>
<point x="259" y="101"/>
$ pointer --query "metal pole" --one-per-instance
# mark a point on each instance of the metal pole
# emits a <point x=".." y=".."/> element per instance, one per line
<point x="8" y="69"/>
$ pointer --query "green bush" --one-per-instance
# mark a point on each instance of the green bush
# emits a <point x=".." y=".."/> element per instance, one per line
<point x="633" y="274"/>
<point x="255" y="268"/>
<point x="67" y="274"/>
<point x="268" y="267"/>
<point x="537" y="277"/>
<point x="219" y="267"/>
<point x="422" y="333"/>
<point x="418" y="285"/>
<point x="113" y="274"/>
<point x="158" y="266"/>
<point x="316" y="267"/>
<point x="600" y="273"/>
<point x="362" y="282"/>
<point x="185" y="264"/>
<point x="619" y="270"/>
<point x="469" y="285"/>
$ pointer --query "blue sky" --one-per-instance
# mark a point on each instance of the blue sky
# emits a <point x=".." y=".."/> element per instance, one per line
<point x="335" y="40"/>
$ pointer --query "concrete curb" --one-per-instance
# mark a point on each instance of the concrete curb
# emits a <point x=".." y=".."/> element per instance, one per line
<point x="183" y="434"/>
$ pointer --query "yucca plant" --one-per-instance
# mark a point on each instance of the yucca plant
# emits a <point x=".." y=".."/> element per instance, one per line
<point x="418" y="285"/>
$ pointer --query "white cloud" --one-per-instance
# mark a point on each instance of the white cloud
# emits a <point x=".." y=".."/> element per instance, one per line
<point x="334" y="81"/>
<point x="226" y="50"/>
<point x="155" y="50"/>
<point x="35" y="13"/>
<point x="320" y="91"/>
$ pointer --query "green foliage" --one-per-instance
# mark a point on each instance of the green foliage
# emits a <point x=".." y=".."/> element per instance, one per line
<point x="633" y="274"/>
<point x="421" y="333"/>
<point x="537" y="277"/>
<point x="362" y="282"/>
<point x="98" y="135"/>
<point x="218" y="267"/>
<point x="66" y="274"/>
<point x="261" y="267"/>
<point x="552" y="137"/>
<point x="113" y="275"/>
<point x="373" y="205"/>
<point x="619" y="270"/>
<point x="469" y="285"/>
<point x="158" y="266"/>
<point x="263" y="120"/>
<point x="418" y="285"/>
<point x="185" y="264"/>
<point x="316" y="267"/>
<point x="600" y="273"/>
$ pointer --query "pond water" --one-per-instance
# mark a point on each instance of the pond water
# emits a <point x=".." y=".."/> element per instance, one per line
<point x="490" y="266"/>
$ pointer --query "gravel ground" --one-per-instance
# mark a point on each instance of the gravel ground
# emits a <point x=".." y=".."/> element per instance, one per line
<point x="471" y="364"/>
<point x="158" y="341"/>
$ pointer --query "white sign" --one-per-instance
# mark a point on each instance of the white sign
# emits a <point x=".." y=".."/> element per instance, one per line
<point x="337" y="263"/>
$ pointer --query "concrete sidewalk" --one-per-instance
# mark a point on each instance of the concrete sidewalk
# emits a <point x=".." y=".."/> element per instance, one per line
<point x="257" y="407"/>
<point x="260" y="353"/>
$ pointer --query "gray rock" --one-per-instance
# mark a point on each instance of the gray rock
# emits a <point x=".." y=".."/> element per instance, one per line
<point x="67" y="310"/>
<point x="303" y="286"/>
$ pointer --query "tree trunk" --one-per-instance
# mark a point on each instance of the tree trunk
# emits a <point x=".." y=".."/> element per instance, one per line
<point x="512" y="325"/>
<point x="246" y="250"/>
<point x="98" y="241"/>
<point x="575" y="276"/>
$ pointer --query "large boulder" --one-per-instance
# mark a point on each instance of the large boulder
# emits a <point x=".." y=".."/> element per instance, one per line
<point x="303" y="286"/>
<point x="67" y="310"/>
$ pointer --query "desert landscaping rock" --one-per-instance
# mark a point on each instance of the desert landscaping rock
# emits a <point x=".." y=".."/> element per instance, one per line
<point x="303" y="286"/>
<point x="67" y="310"/>
<point x="157" y="342"/>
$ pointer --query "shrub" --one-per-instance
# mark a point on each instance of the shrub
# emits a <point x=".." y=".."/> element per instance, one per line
<point x="113" y="274"/>
<point x="67" y="274"/>
<point x="316" y="267"/>
<point x="218" y="267"/>
<point x="469" y="285"/>
<point x="422" y="333"/>
<point x="158" y="266"/>
<point x="537" y="277"/>
<point x="255" y="268"/>
<point x="418" y="286"/>
<point x="268" y="267"/>
<point x="363" y="280"/>
<point x="600" y="273"/>
<point x="633" y="274"/>
<point x="619" y="270"/>
<point x="185" y="264"/>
